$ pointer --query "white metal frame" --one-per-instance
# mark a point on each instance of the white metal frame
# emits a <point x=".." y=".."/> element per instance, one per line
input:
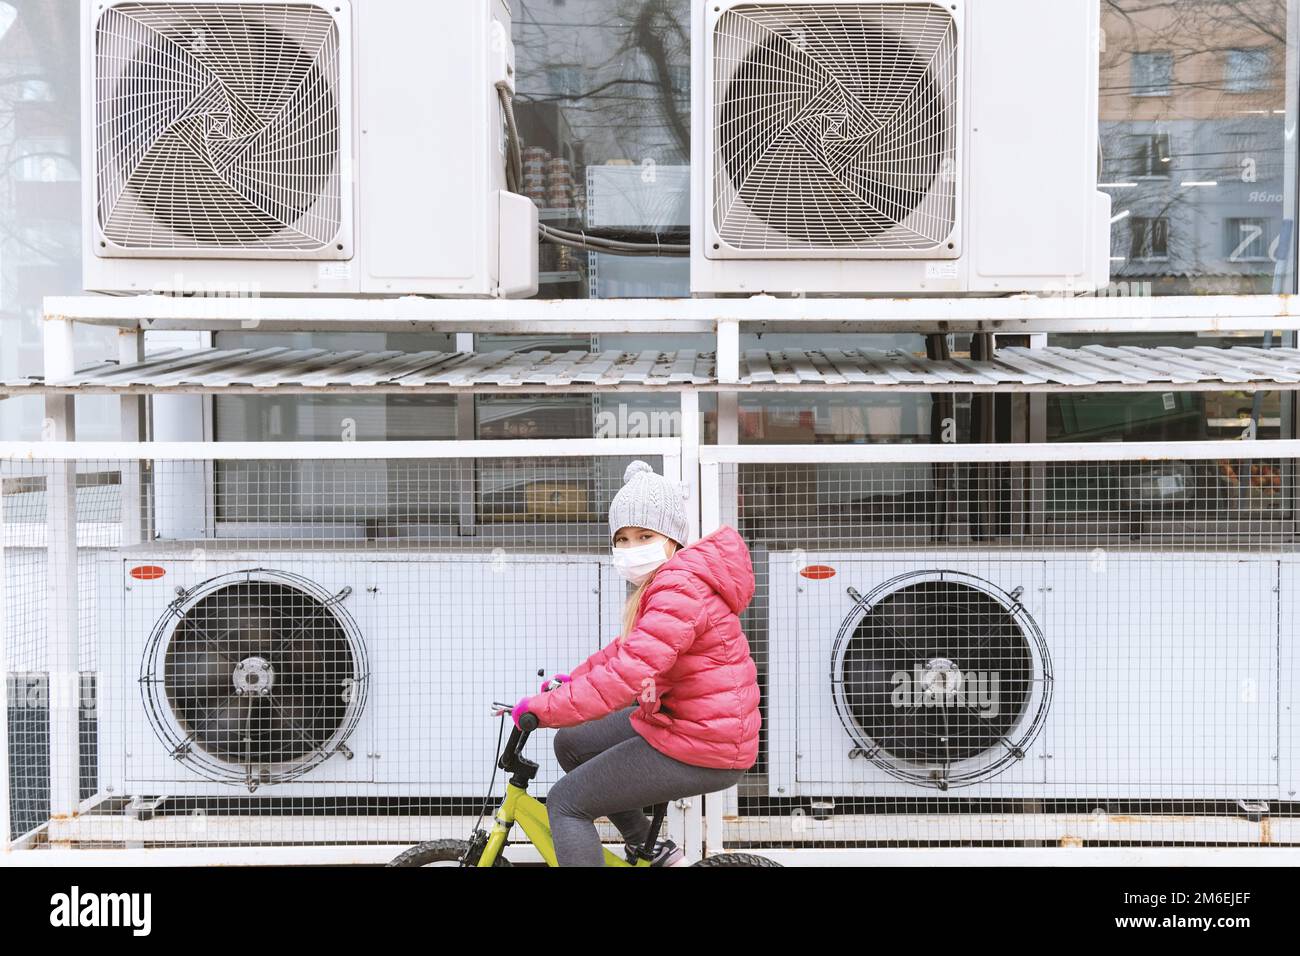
<point x="1123" y="309"/>
<point x="706" y="827"/>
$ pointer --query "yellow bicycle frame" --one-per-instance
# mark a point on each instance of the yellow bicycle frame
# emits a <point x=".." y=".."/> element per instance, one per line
<point x="530" y="813"/>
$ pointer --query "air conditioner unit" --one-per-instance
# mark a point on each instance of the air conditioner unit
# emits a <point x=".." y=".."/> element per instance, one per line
<point x="897" y="147"/>
<point x="229" y="672"/>
<point x="1147" y="675"/>
<point x="300" y="147"/>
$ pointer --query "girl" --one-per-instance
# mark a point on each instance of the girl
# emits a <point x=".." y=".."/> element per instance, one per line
<point x="670" y="708"/>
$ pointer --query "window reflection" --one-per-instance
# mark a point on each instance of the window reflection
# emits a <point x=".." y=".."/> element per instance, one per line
<point x="1194" y="113"/>
<point x="603" y="107"/>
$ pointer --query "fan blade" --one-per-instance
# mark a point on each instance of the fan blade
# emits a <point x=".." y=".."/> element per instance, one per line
<point x="223" y="731"/>
<point x="197" y="672"/>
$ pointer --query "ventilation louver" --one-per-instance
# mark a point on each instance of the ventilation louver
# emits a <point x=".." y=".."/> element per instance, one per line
<point x="942" y="680"/>
<point x="217" y="130"/>
<point x="836" y="128"/>
<point x="255" y="678"/>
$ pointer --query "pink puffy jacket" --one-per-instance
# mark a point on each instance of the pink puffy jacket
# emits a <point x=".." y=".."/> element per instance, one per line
<point x="686" y="662"/>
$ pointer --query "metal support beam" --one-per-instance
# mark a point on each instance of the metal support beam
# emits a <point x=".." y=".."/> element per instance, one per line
<point x="5" y="670"/>
<point x="61" y="589"/>
<point x="466" y="430"/>
<point x="692" y="438"/>
<point x="135" y="428"/>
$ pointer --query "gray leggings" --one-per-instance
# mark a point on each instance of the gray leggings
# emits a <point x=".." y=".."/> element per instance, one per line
<point x="611" y="771"/>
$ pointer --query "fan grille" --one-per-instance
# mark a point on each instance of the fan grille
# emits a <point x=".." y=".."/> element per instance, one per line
<point x="257" y="674"/>
<point x="835" y="127"/>
<point x="217" y="127"/>
<point x="942" y="682"/>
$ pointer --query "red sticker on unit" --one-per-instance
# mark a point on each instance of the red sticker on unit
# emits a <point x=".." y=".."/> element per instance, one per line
<point x="148" y="572"/>
<point x="818" y="572"/>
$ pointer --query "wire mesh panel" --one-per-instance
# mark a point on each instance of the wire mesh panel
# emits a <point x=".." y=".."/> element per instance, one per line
<point x="35" y="683"/>
<point x="1018" y="653"/>
<point x="297" y="652"/>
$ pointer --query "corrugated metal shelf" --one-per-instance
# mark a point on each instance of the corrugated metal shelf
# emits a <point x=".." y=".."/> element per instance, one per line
<point x="306" y="371"/>
<point x="311" y="371"/>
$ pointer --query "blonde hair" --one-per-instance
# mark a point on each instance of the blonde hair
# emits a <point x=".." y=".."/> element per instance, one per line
<point x="633" y="605"/>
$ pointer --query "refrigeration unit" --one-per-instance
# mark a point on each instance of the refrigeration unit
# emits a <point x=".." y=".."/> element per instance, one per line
<point x="300" y="147"/>
<point x="902" y="147"/>
<point x="1103" y="674"/>
<point x="332" y="672"/>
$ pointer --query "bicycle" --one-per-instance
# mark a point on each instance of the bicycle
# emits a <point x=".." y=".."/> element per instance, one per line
<point x="484" y="848"/>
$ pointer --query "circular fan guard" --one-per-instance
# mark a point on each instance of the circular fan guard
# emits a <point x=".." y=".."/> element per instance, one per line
<point x="941" y="679"/>
<point x="255" y="678"/>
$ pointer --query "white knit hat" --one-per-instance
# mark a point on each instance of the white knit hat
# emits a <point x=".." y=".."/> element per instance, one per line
<point x="649" y="500"/>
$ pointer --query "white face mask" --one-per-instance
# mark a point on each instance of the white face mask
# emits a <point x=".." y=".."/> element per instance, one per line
<point x="637" y="564"/>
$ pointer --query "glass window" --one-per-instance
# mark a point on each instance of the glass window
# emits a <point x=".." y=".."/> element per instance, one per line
<point x="1247" y="71"/>
<point x="1151" y="155"/>
<point x="1153" y="73"/>
<point x="1248" y="240"/>
<point x="1149" y="238"/>
<point x="1188" y="167"/>
<point x="604" y="112"/>
<point x="40" y="205"/>
<point x="565" y="81"/>
<point x="279" y="493"/>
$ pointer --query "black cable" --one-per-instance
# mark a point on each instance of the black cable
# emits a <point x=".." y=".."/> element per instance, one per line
<point x="492" y="785"/>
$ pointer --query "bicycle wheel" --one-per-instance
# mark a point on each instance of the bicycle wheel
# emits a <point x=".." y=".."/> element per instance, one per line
<point x="735" y="859"/>
<point x="447" y="852"/>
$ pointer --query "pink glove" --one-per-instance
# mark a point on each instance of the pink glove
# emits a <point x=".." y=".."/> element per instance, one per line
<point x="521" y="708"/>
<point x="562" y="678"/>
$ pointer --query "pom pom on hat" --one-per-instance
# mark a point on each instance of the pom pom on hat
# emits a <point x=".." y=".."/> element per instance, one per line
<point x="637" y="468"/>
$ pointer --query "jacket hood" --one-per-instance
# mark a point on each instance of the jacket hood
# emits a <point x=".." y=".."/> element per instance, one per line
<point x="721" y="561"/>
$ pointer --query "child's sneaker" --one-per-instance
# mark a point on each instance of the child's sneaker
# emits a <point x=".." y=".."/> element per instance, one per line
<point x="671" y="855"/>
<point x="676" y="858"/>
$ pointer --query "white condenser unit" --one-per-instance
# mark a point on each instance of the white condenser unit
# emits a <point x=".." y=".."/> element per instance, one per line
<point x="298" y="147"/>
<point x="902" y="147"/>
<point x="1090" y="675"/>
<point x="228" y="672"/>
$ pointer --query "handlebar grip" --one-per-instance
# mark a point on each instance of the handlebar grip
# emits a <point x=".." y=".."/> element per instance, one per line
<point x="528" y="722"/>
